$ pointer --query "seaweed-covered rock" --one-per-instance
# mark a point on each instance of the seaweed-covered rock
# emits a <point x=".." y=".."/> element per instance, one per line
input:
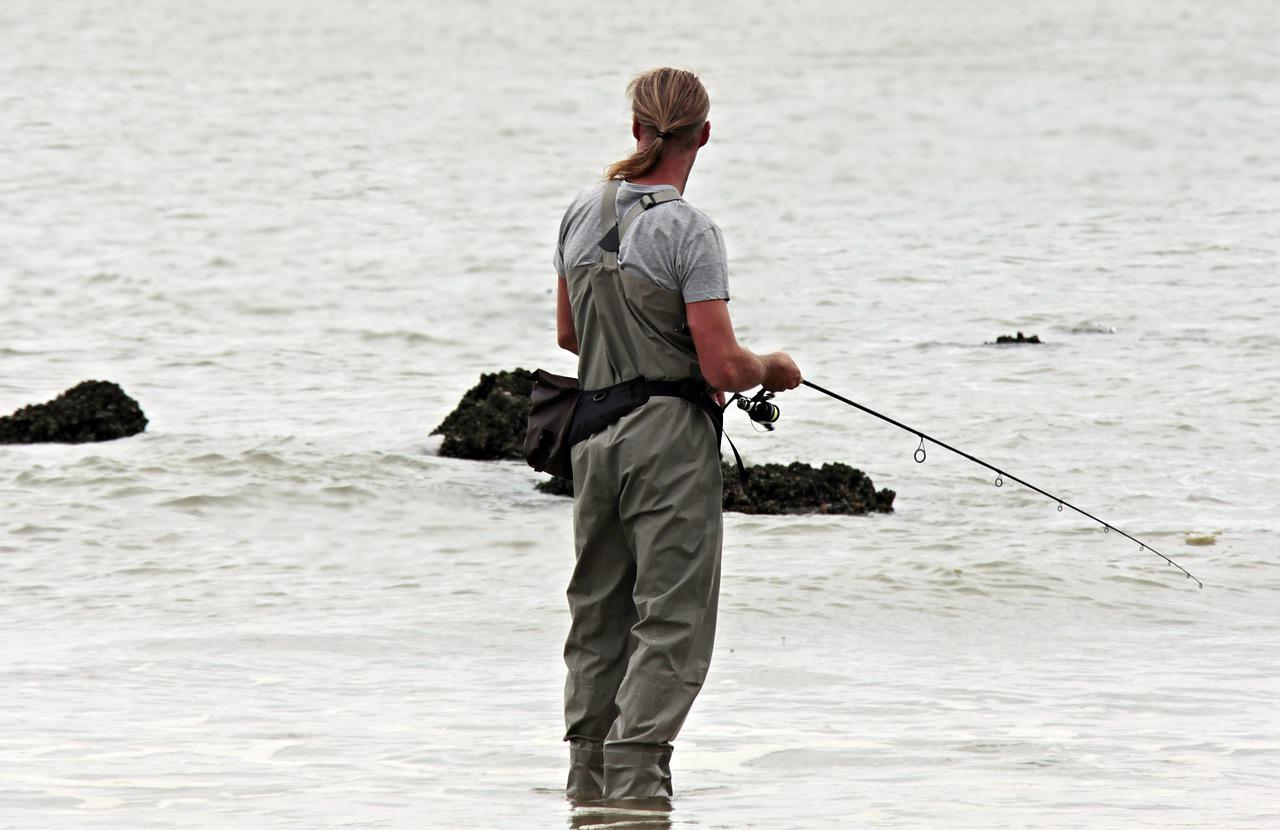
<point x="490" y="420"/>
<point x="790" y="488"/>
<point x="1021" y="338"/>
<point x="800" y="488"/>
<point x="94" y="410"/>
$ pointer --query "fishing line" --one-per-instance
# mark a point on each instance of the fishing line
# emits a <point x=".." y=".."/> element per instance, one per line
<point x="920" y="454"/>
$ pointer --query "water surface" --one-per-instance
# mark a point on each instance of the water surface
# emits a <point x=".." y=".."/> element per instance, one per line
<point x="297" y="232"/>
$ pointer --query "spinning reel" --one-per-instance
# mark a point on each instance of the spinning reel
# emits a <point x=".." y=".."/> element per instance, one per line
<point x="760" y="408"/>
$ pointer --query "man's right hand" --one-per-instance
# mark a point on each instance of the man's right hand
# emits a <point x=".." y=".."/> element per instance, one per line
<point x="780" y="372"/>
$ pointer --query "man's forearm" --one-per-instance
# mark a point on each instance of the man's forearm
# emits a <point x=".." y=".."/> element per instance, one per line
<point x="745" y="370"/>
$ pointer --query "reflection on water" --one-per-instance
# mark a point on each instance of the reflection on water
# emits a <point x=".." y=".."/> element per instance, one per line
<point x="638" y="813"/>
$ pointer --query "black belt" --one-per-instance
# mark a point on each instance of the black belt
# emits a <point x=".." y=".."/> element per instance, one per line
<point x="599" y="409"/>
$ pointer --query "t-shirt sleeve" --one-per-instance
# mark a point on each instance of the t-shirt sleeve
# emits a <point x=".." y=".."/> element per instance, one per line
<point x="703" y="267"/>
<point x="557" y="261"/>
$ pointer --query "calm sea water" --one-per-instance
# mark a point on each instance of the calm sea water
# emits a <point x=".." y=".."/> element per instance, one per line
<point x="297" y="232"/>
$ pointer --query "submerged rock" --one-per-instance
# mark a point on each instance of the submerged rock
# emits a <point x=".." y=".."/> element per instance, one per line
<point x="490" y="421"/>
<point x="788" y="488"/>
<point x="94" y="410"/>
<point x="1092" y="328"/>
<point x="1021" y="338"/>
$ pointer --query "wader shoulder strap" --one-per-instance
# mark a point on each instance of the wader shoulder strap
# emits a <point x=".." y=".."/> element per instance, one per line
<point x="614" y="231"/>
<point x="609" y="223"/>
<point x="609" y="205"/>
<point x="647" y="201"/>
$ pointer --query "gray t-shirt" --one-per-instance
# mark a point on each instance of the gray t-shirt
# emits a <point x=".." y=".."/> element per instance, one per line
<point x="673" y="244"/>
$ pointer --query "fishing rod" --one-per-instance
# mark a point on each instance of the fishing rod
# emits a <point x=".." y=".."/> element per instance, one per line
<point x="761" y="410"/>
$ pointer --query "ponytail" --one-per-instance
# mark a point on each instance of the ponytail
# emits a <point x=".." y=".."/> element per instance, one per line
<point x="671" y="105"/>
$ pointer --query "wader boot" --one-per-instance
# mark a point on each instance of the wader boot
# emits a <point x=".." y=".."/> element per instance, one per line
<point x="586" y="769"/>
<point x="647" y="530"/>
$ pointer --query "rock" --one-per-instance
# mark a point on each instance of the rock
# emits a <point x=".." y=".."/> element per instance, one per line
<point x="790" y="488"/>
<point x="490" y="421"/>
<point x="95" y="410"/>
<point x="555" y="486"/>
<point x="1021" y="338"/>
<point x="800" y="488"/>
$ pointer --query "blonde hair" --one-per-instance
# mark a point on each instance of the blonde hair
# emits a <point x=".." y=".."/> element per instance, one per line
<point x="672" y="103"/>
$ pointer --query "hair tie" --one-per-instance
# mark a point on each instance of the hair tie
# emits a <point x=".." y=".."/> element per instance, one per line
<point x="661" y="134"/>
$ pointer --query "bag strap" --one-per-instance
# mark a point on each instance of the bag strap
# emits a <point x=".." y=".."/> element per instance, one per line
<point x="743" y="475"/>
<point x="696" y="394"/>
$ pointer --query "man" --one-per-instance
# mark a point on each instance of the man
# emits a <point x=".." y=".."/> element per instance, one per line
<point x="643" y="294"/>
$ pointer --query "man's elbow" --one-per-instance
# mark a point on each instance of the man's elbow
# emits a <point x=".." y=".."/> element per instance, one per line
<point x="568" y="342"/>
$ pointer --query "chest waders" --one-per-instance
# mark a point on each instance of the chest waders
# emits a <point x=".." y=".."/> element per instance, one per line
<point x="647" y="530"/>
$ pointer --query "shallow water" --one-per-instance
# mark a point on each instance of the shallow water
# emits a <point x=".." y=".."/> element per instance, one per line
<point x="298" y="232"/>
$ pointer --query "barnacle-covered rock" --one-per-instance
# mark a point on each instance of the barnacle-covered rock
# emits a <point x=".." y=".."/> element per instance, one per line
<point x="555" y="486"/>
<point x="94" y="410"/>
<point x="787" y="488"/>
<point x="801" y="488"/>
<point x="1020" y="338"/>
<point x="489" y="422"/>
